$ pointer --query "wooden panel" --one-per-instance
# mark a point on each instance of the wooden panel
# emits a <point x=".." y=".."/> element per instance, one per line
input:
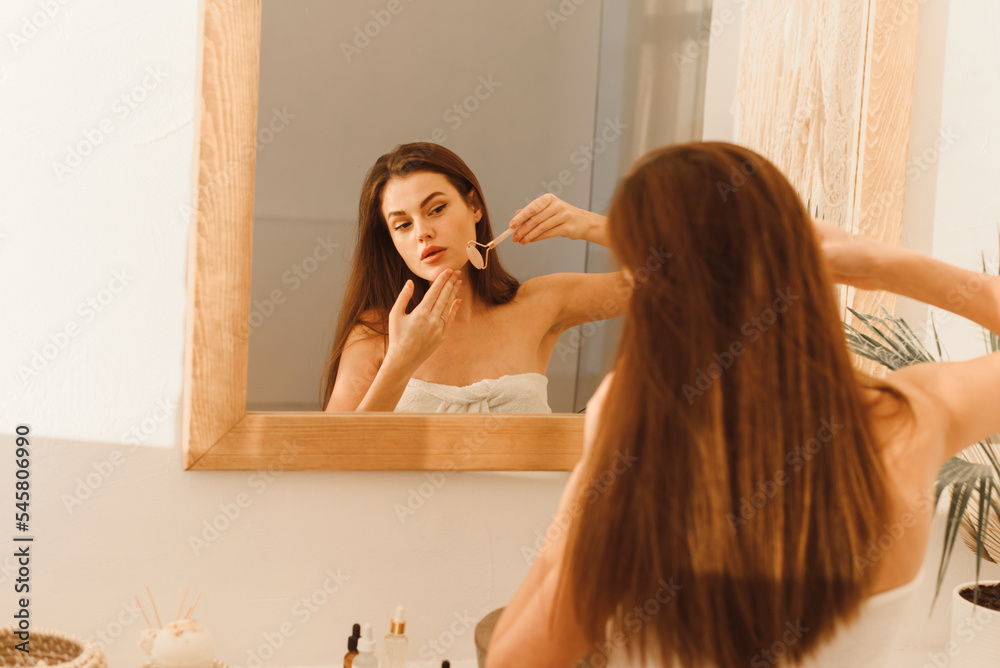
<point x="860" y="118"/>
<point x="800" y="96"/>
<point x="885" y="138"/>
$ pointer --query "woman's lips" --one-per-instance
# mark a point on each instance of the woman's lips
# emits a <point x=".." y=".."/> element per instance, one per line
<point x="435" y="256"/>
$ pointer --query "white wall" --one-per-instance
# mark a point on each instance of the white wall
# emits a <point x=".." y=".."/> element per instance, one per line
<point x="967" y="210"/>
<point x="111" y="517"/>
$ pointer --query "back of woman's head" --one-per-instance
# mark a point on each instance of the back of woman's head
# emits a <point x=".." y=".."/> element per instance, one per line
<point x="378" y="272"/>
<point x="754" y="483"/>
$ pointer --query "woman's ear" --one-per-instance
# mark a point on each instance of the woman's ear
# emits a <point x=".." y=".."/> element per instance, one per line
<point x="475" y="205"/>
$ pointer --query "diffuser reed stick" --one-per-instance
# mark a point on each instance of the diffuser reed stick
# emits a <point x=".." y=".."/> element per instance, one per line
<point x="155" y="611"/>
<point x="184" y="593"/>
<point x="143" y="611"/>
<point x="191" y="609"/>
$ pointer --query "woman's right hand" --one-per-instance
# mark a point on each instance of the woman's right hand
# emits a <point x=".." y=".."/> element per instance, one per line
<point x="414" y="336"/>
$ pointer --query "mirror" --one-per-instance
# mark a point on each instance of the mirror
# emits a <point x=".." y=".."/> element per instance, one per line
<point x="510" y="87"/>
<point x="343" y="83"/>
<point x="581" y="50"/>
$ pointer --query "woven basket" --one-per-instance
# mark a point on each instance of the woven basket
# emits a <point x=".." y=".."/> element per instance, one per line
<point x="52" y="647"/>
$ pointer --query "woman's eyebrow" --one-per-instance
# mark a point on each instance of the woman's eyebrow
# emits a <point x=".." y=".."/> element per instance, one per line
<point x="422" y="205"/>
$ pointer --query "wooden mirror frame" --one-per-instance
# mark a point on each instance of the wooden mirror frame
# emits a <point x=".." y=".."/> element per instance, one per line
<point x="218" y="432"/>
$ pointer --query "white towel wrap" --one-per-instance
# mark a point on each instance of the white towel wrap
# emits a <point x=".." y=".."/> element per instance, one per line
<point x="518" y="393"/>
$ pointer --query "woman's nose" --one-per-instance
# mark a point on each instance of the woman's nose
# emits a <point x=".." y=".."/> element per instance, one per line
<point x="424" y="229"/>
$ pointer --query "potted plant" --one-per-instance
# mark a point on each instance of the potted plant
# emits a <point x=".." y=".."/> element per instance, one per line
<point x="975" y="626"/>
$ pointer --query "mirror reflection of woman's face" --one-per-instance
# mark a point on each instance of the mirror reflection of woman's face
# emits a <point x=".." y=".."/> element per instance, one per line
<point x="430" y="222"/>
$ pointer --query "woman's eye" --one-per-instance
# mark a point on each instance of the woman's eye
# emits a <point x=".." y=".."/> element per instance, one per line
<point x="439" y="209"/>
<point x="400" y="226"/>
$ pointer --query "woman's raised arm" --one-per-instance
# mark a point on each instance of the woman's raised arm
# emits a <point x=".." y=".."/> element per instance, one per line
<point x="960" y="399"/>
<point x="872" y="265"/>
<point x="575" y="298"/>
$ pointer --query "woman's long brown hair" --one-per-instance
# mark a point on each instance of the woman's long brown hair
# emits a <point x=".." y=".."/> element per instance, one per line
<point x="378" y="273"/>
<point x="734" y="477"/>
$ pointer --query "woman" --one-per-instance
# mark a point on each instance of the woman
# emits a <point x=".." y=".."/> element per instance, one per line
<point x="737" y="471"/>
<point x="422" y="331"/>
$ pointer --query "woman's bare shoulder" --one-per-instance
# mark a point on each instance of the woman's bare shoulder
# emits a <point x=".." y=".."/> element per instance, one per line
<point x="954" y="400"/>
<point x="363" y="353"/>
<point x="534" y="288"/>
<point x="568" y="299"/>
<point x="537" y="297"/>
<point x="366" y="343"/>
<point x="906" y="431"/>
<point x="370" y="324"/>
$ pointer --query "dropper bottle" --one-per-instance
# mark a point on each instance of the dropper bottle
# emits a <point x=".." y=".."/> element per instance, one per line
<point x="394" y="645"/>
<point x="352" y="646"/>
<point x="366" y="649"/>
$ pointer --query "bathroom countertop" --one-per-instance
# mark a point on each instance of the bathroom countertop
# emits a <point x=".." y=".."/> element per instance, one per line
<point x="901" y="658"/>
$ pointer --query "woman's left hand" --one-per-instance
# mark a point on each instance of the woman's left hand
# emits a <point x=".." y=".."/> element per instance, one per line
<point x="548" y="216"/>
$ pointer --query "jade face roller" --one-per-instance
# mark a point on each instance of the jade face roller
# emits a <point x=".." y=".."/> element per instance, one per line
<point x="478" y="260"/>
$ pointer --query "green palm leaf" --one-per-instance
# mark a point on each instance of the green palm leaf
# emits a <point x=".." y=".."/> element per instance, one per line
<point x="966" y="481"/>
